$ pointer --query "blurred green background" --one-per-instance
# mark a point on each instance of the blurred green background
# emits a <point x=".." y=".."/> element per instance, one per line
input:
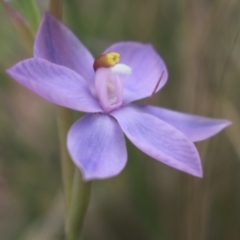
<point x="200" y="43"/>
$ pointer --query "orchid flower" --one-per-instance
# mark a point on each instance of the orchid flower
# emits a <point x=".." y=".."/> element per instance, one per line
<point x="64" y="72"/>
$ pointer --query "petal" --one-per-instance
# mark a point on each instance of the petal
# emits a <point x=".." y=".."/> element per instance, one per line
<point x="159" y="140"/>
<point x="195" y="128"/>
<point x="147" y="67"/>
<point x="57" y="84"/>
<point x="97" y="146"/>
<point x="57" y="44"/>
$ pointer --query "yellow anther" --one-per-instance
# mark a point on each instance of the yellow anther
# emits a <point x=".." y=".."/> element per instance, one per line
<point x="106" y="60"/>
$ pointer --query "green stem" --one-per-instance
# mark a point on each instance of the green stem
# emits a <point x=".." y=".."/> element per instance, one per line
<point x="31" y="12"/>
<point x="64" y="123"/>
<point x="80" y="199"/>
<point x="76" y="191"/>
<point x="25" y="33"/>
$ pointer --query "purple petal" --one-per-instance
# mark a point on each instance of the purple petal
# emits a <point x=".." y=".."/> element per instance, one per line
<point x="195" y="128"/>
<point x="57" y="84"/>
<point x="97" y="146"/>
<point x="147" y="67"/>
<point x="57" y="44"/>
<point x="159" y="140"/>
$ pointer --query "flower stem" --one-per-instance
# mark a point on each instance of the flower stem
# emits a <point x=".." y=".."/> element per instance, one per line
<point x="80" y="199"/>
<point x="64" y="123"/>
<point x="76" y="191"/>
<point x="31" y="12"/>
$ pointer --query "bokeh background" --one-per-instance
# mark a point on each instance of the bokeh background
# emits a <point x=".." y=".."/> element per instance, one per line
<point x="200" y="43"/>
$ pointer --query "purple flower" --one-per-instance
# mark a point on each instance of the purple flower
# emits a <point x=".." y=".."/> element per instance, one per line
<point x="62" y="72"/>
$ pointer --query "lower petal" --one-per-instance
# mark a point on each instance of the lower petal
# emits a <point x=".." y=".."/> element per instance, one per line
<point x="195" y="128"/>
<point x="159" y="140"/>
<point x="97" y="146"/>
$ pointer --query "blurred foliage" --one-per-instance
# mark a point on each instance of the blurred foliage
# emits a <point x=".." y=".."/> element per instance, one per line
<point x="200" y="42"/>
